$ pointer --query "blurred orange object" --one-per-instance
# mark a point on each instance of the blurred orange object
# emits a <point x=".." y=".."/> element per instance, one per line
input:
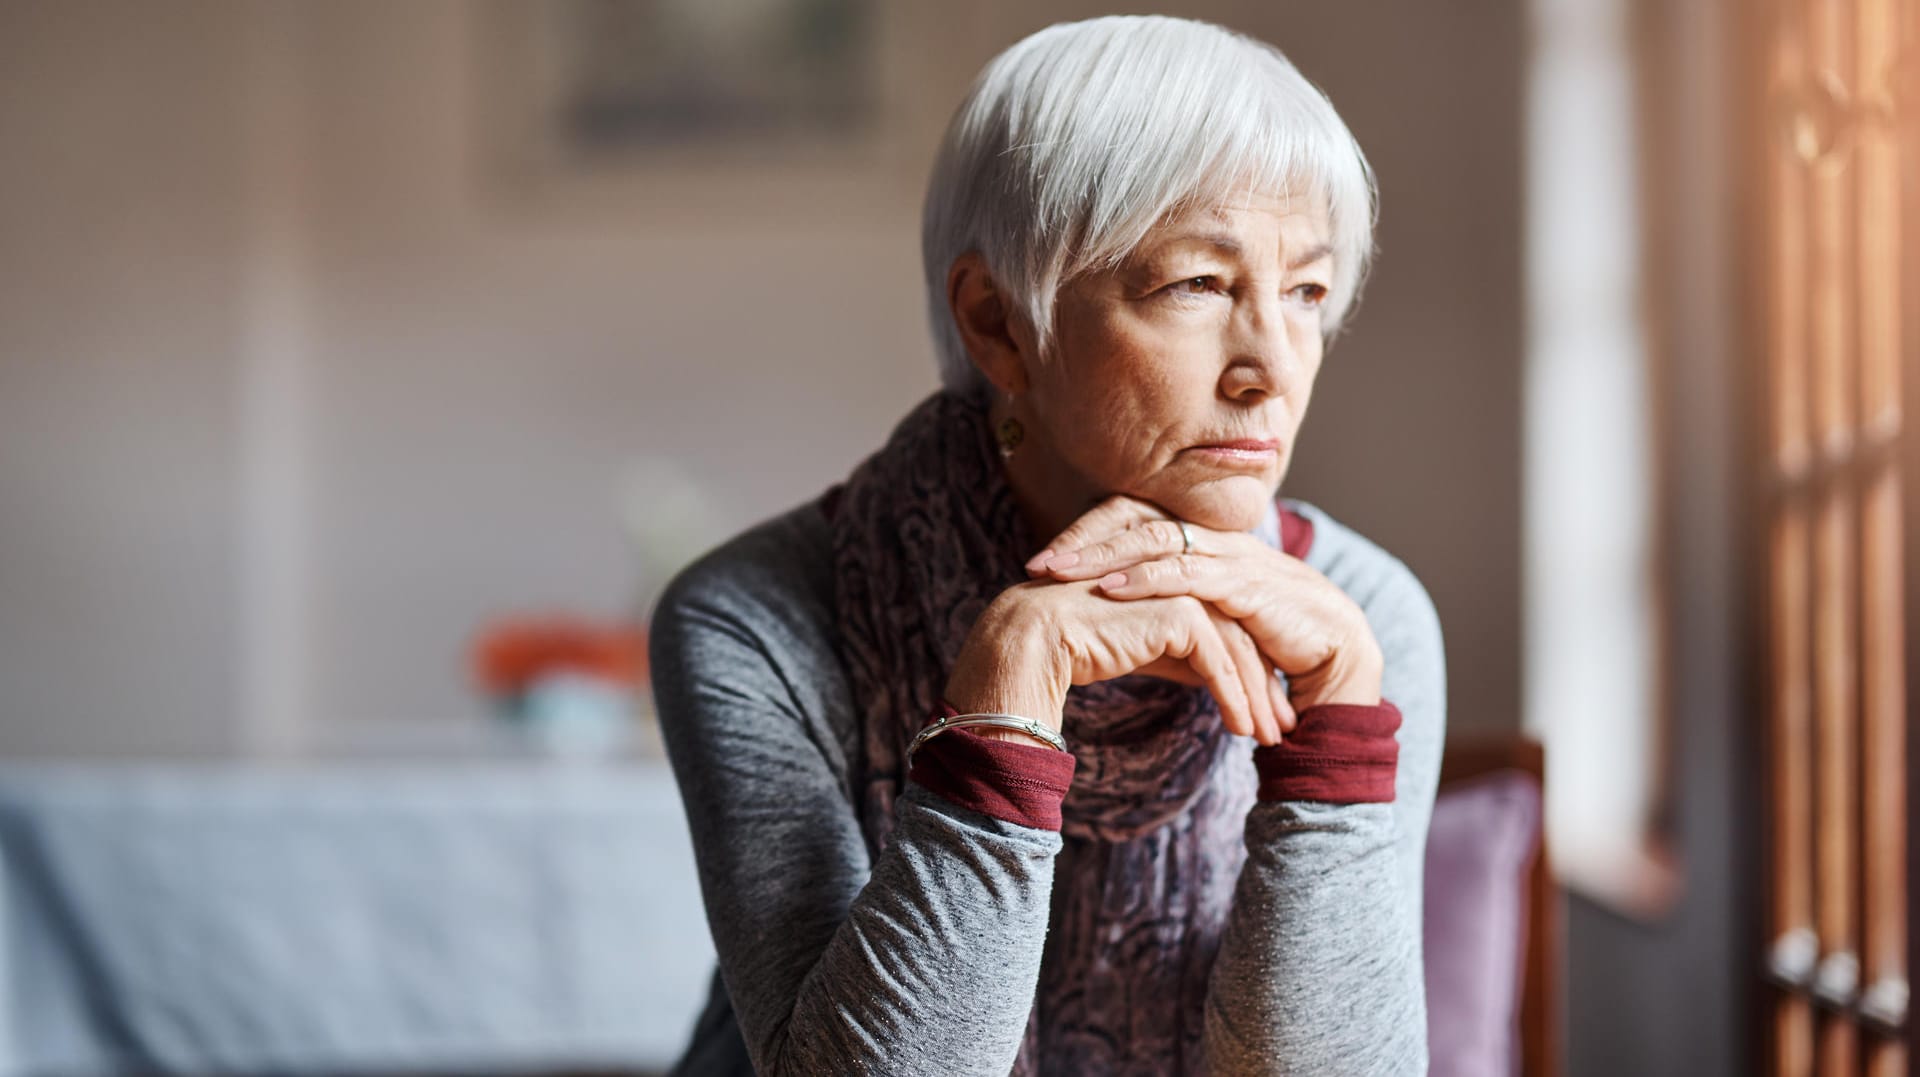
<point x="510" y="654"/>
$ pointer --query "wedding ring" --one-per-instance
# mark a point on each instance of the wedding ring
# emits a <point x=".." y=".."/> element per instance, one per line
<point x="1186" y="538"/>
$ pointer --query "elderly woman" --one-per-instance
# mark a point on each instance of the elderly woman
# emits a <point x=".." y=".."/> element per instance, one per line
<point x="1052" y="741"/>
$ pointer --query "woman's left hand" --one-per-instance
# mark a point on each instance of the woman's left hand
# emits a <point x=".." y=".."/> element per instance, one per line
<point x="1303" y="624"/>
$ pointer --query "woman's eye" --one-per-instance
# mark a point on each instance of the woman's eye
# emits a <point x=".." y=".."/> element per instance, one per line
<point x="1312" y="294"/>
<point x="1196" y="286"/>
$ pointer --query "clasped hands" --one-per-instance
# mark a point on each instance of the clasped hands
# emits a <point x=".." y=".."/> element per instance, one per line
<point x="1119" y="592"/>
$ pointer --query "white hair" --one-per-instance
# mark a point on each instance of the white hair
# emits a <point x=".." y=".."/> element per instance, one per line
<point x="1076" y="141"/>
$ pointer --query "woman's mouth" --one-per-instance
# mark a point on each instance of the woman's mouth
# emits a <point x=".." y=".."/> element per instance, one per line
<point x="1246" y="451"/>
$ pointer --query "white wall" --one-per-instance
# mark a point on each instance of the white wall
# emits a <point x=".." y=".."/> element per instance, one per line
<point x="488" y="364"/>
<point x="120" y="257"/>
<point x="448" y="377"/>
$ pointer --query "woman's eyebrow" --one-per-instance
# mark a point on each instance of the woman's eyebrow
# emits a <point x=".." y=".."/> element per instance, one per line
<point x="1227" y="244"/>
<point x="1311" y="255"/>
<point x="1219" y="241"/>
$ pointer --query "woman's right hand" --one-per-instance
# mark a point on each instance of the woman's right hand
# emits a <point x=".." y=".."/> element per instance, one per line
<point x="1041" y="637"/>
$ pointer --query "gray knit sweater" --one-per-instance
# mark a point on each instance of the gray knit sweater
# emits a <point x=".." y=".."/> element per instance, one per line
<point x="924" y="959"/>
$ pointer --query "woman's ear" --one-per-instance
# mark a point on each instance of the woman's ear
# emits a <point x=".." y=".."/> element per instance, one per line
<point x="986" y="323"/>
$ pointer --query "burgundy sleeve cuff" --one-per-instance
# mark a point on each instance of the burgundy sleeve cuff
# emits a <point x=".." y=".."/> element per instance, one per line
<point x="1016" y="783"/>
<point x="1338" y="753"/>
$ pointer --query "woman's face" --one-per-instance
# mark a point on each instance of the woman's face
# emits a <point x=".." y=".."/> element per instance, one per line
<point x="1182" y="376"/>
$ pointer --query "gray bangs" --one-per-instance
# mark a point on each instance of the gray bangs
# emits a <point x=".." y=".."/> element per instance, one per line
<point x="1074" y="143"/>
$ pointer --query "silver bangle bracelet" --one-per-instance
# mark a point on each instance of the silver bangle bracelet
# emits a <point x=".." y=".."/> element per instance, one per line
<point x="998" y="721"/>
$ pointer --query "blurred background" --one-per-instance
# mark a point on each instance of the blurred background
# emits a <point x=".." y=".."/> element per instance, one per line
<point x="366" y="368"/>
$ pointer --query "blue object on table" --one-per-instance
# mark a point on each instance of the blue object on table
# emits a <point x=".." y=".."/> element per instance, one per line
<point x="571" y="715"/>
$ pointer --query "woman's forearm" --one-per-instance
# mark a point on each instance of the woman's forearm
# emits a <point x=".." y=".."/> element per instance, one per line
<point x="927" y="965"/>
<point x="920" y="960"/>
<point x="934" y="968"/>
<point x="1319" y="970"/>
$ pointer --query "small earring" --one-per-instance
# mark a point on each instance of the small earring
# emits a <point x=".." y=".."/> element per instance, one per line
<point x="1010" y="435"/>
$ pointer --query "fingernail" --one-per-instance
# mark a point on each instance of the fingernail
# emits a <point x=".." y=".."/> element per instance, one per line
<point x="1039" y="561"/>
<point x="1063" y="560"/>
<point x="1112" y="580"/>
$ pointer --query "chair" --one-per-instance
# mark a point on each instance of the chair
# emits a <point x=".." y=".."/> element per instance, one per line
<point x="1501" y="777"/>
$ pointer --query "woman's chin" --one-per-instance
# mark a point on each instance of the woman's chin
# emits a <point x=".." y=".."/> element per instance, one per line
<point x="1236" y="504"/>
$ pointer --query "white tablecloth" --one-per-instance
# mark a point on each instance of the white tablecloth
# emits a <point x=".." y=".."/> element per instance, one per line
<point x="347" y="917"/>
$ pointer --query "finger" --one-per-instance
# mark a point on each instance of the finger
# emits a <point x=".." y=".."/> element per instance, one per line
<point x="1234" y="584"/>
<point x="1147" y="540"/>
<point x="1255" y="673"/>
<point x="1252" y="668"/>
<point x="1112" y="516"/>
<point x="1282" y="706"/>
<point x="1160" y="540"/>
<point x="1172" y="669"/>
<point x="1273" y="599"/>
<point x="1203" y="648"/>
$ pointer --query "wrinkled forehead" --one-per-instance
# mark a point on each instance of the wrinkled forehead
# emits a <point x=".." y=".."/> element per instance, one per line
<point x="1230" y="202"/>
<point x="1302" y="218"/>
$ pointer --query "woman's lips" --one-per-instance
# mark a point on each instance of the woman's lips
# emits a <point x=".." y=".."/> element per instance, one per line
<point x="1246" y="451"/>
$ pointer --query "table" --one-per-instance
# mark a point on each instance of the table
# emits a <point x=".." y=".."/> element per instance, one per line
<point x="243" y="918"/>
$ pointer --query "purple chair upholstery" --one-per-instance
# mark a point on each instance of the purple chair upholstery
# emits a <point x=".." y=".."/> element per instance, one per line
<point x="1480" y="848"/>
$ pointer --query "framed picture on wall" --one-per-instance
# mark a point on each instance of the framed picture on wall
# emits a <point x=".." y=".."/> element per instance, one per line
<point x="765" y="103"/>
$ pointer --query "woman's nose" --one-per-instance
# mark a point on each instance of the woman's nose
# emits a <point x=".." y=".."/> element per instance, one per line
<point x="1262" y="358"/>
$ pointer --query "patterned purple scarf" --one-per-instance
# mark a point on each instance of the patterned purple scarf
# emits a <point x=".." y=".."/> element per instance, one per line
<point x="927" y="533"/>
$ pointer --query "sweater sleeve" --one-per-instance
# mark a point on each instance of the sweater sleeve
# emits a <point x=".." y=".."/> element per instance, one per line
<point x="923" y="960"/>
<point x="1320" y="969"/>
